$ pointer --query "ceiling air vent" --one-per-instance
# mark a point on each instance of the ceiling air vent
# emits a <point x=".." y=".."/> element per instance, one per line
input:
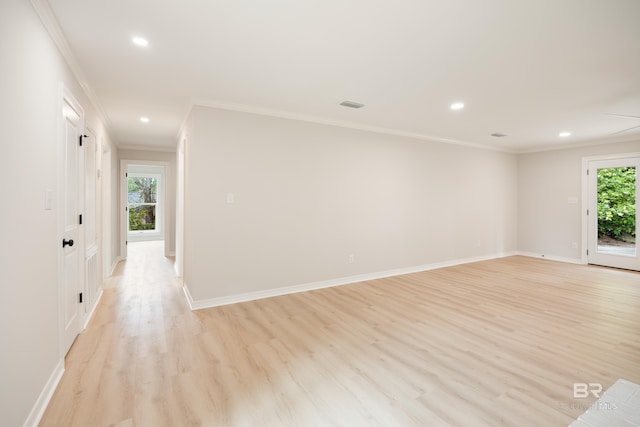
<point x="498" y="134"/>
<point x="351" y="104"/>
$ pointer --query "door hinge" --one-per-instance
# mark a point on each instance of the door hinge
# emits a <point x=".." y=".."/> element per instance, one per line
<point x="587" y="211"/>
<point x="80" y="219"/>
<point x="587" y="171"/>
<point x="80" y="298"/>
<point x="81" y="138"/>
<point x="126" y="242"/>
<point x="587" y="251"/>
<point x="126" y="175"/>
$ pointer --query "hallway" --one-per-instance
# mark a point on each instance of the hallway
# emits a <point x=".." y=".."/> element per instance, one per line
<point x="120" y="366"/>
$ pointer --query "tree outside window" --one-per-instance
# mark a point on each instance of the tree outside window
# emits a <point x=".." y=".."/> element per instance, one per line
<point x="142" y="202"/>
<point x="617" y="203"/>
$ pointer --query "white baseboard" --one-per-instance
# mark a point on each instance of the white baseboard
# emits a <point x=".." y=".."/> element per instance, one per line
<point x="45" y="396"/>
<point x="551" y="257"/>
<point x="268" y="293"/>
<point x="188" y="296"/>
<point x="114" y="265"/>
<point x="93" y="309"/>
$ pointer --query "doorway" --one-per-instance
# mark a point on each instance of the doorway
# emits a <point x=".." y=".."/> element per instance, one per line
<point x="144" y="203"/>
<point x="612" y="214"/>
<point x="143" y="193"/>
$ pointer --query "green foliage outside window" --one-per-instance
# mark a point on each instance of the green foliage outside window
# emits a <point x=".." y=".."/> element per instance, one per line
<point x="142" y="218"/>
<point x="142" y="199"/>
<point x="617" y="203"/>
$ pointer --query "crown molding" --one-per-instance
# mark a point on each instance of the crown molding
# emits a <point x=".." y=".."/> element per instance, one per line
<point x="51" y="24"/>
<point x="243" y="108"/>
<point x="581" y="144"/>
<point x="161" y="148"/>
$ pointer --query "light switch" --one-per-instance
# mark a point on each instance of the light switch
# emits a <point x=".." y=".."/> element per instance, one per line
<point x="231" y="198"/>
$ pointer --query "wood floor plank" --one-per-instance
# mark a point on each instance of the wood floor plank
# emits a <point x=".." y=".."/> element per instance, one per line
<point x="495" y="343"/>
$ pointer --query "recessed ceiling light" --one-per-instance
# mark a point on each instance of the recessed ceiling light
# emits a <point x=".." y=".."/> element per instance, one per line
<point x="351" y="104"/>
<point x="457" y="106"/>
<point x="144" y="119"/>
<point x="139" y="41"/>
<point x="499" y="135"/>
<point x="564" y="134"/>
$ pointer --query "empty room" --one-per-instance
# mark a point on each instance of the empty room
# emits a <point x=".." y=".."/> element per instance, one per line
<point x="311" y="213"/>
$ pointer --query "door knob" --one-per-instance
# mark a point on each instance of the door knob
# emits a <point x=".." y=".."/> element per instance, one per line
<point x="66" y="242"/>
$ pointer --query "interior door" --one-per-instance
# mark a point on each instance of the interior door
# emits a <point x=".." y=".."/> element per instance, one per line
<point x="613" y="213"/>
<point x="72" y="277"/>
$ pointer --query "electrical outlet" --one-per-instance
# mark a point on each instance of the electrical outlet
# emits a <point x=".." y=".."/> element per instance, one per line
<point x="352" y="258"/>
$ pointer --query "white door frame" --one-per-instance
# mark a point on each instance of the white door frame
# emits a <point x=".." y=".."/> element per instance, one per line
<point x="586" y="196"/>
<point x="66" y="334"/>
<point x="92" y="224"/>
<point x="108" y="201"/>
<point x="180" y="174"/>
<point x="124" y="219"/>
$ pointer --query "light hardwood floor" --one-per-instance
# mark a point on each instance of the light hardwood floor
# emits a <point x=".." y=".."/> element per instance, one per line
<point x="486" y="344"/>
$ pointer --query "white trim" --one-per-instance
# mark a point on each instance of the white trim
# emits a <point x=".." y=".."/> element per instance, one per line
<point x="584" y="218"/>
<point x="158" y="173"/>
<point x="124" y="219"/>
<point x="611" y="156"/>
<point x="243" y="108"/>
<point x="115" y="265"/>
<point x="551" y="257"/>
<point x="251" y="109"/>
<point x="93" y="309"/>
<point x="250" y="296"/>
<point x="579" y="144"/>
<point x="37" y="411"/>
<point x="50" y="22"/>
<point x="586" y="196"/>
<point x="188" y="296"/>
<point x="161" y="148"/>
<point x="182" y="132"/>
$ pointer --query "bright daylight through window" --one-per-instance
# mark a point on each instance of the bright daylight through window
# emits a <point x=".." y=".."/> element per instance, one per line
<point x="142" y="203"/>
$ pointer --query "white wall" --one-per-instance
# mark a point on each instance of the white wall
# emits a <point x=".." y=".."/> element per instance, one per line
<point x="547" y="224"/>
<point x="180" y="186"/>
<point x="170" y="184"/>
<point x="115" y="206"/>
<point x="110" y="208"/>
<point x="308" y="195"/>
<point x="32" y="69"/>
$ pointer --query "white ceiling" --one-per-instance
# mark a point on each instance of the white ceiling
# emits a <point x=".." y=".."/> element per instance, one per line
<point x="529" y="69"/>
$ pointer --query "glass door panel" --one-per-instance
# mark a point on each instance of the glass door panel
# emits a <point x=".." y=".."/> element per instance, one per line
<point x="613" y="213"/>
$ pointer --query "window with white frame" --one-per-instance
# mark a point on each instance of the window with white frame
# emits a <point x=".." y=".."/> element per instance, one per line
<point x="142" y="203"/>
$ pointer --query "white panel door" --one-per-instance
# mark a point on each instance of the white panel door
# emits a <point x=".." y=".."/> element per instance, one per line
<point x="72" y="277"/>
<point x="613" y="213"/>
